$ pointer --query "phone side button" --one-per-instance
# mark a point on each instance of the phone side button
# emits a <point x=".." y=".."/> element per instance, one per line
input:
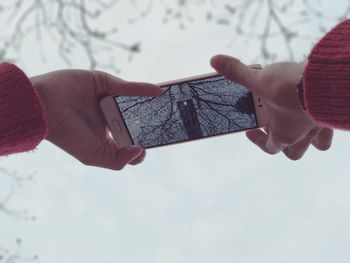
<point x="117" y="126"/>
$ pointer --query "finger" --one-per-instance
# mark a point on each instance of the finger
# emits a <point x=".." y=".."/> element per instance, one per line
<point x="297" y="151"/>
<point x="139" y="159"/>
<point x="125" y="156"/>
<point x="116" y="159"/>
<point x="108" y="84"/>
<point x="323" y="140"/>
<point x="259" y="138"/>
<point x="236" y="71"/>
<point x="275" y="144"/>
<point x="255" y="66"/>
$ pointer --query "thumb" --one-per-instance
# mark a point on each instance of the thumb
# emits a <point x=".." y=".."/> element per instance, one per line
<point x="119" y="158"/>
<point x="236" y="71"/>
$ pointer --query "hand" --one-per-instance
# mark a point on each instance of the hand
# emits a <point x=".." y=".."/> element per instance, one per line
<point x="290" y="129"/>
<point x="76" y="124"/>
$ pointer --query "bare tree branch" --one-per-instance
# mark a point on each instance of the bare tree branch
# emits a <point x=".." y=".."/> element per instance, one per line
<point x="72" y="25"/>
<point x="268" y="21"/>
<point x="15" y="255"/>
<point x="16" y="183"/>
<point x="68" y="23"/>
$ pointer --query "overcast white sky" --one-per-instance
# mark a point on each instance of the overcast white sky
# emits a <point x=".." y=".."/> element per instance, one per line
<point x="217" y="200"/>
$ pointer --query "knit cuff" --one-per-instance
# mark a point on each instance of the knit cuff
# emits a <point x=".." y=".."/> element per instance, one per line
<point x="22" y="123"/>
<point x="327" y="79"/>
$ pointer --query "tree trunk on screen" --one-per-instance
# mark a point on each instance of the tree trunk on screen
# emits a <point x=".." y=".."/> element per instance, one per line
<point x="190" y="119"/>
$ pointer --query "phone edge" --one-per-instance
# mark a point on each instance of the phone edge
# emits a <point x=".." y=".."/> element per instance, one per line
<point x="109" y="107"/>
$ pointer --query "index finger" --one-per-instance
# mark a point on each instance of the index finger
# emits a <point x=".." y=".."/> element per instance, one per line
<point x="236" y="71"/>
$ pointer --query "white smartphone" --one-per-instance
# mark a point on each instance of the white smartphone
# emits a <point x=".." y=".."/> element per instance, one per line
<point x="190" y="109"/>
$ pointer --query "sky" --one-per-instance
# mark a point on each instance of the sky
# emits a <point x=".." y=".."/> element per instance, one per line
<point x="215" y="200"/>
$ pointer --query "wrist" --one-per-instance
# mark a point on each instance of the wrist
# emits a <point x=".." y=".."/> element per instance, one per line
<point x="40" y="92"/>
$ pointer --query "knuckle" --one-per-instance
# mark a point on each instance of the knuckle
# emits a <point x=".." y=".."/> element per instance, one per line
<point x="233" y="66"/>
<point x="294" y="156"/>
<point x="295" y="153"/>
<point x="281" y="139"/>
<point x="230" y="70"/>
<point x="272" y="148"/>
<point x="271" y="151"/>
<point x="100" y="80"/>
<point x="119" y="166"/>
<point x="88" y="161"/>
<point x="255" y="77"/>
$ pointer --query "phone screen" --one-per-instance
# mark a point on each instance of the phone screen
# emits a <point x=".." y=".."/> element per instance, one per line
<point x="187" y="111"/>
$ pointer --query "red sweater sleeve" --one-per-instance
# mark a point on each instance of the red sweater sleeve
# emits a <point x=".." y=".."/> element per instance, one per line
<point x="22" y="123"/>
<point x="327" y="79"/>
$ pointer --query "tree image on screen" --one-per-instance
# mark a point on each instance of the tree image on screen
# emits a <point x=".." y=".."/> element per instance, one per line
<point x="188" y="111"/>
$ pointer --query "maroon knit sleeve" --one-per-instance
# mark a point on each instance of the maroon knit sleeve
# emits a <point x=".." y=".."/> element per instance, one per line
<point x="327" y="79"/>
<point x="22" y="124"/>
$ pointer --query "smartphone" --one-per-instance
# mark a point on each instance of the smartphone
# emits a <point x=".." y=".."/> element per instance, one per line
<point x="190" y="109"/>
